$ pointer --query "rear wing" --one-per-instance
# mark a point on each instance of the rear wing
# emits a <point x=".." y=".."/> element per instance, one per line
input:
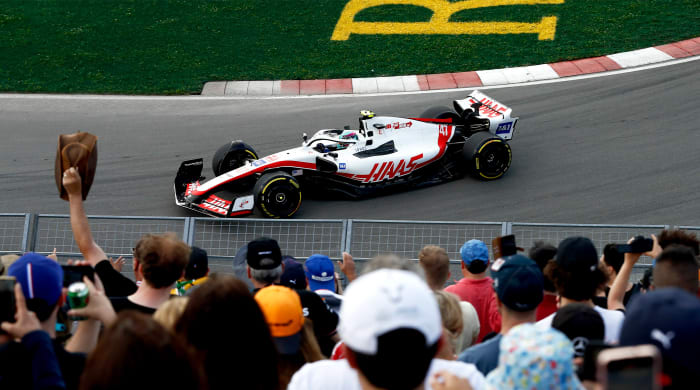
<point x="501" y="123"/>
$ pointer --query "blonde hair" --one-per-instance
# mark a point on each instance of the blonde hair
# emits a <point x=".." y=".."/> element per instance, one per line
<point x="471" y="327"/>
<point x="451" y="314"/>
<point x="169" y="312"/>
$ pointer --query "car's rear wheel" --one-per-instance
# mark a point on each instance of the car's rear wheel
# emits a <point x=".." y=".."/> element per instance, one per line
<point x="441" y="112"/>
<point x="231" y="156"/>
<point x="487" y="156"/>
<point x="277" y="195"/>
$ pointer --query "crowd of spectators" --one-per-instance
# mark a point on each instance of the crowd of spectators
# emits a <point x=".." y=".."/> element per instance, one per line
<point x="548" y="320"/>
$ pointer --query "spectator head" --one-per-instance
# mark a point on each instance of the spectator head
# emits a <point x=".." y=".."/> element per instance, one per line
<point x="161" y="259"/>
<point x="320" y="272"/>
<point x="138" y="352"/>
<point x="436" y="265"/>
<point x="575" y="271"/>
<point x="293" y="336"/>
<point x="451" y="314"/>
<point x="293" y="275"/>
<point x="475" y="256"/>
<point x="612" y="258"/>
<point x="542" y="253"/>
<point x="264" y="259"/>
<point x="668" y="318"/>
<point x="282" y="309"/>
<point x="534" y="358"/>
<point x="676" y="266"/>
<point x="518" y="282"/>
<point x="42" y="283"/>
<point x="171" y="311"/>
<point x="6" y="261"/>
<point x="679" y="237"/>
<point x="392" y="261"/>
<point x="225" y="325"/>
<point x="390" y="323"/>
<point x="470" y="328"/>
<point x="198" y="265"/>
<point x="581" y="324"/>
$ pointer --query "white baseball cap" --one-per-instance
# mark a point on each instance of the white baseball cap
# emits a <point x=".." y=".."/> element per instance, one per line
<point x="385" y="300"/>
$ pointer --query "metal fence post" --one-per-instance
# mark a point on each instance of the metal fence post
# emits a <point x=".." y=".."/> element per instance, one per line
<point x="25" y="232"/>
<point x="348" y="236"/>
<point x="33" y="234"/>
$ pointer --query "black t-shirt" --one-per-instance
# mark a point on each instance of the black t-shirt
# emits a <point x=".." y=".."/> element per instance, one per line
<point x="16" y="368"/>
<point x="603" y="301"/>
<point x="324" y="319"/>
<point x="123" y="303"/>
<point x="115" y="284"/>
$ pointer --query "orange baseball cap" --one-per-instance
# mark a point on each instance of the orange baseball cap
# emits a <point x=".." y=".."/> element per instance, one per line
<point x="284" y="315"/>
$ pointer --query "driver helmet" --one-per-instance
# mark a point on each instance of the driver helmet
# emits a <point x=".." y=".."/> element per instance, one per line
<point x="349" y="134"/>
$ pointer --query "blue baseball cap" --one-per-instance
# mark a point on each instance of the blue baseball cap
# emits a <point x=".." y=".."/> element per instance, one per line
<point x="320" y="272"/>
<point x="293" y="275"/>
<point x="474" y="250"/>
<point x="518" y="282"/>
<point x="668" y="318"/>
<point x="39" y="276"/>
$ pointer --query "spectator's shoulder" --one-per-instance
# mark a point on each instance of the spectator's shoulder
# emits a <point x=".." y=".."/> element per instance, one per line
<point x="461" y="369"/>
<point x="325" y="375"/>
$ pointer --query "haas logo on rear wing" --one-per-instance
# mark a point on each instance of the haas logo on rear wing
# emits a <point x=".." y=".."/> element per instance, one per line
<point x="498" y="114"/>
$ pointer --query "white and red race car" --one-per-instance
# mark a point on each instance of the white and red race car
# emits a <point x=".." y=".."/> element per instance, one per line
<point x="384" y="153"/>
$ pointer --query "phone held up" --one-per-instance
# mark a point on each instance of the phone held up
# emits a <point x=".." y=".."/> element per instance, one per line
<point x="633" y="368"/>
<point x="74" y="274"/>
<point x="504" y="246"/>
<point x="7" y="299"/>
<point x="639" y="244"/>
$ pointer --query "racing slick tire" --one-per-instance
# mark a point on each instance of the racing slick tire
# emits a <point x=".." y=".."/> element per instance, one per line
<point x="277" y="195"/>
<point x="487" y="156"/>
<point x="231" y="156"/>
<point x="441" y="112"/>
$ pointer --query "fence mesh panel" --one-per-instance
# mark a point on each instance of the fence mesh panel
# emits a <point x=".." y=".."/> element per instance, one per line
<point x="12" y="232"/>
<point x="406" y="238"/>
<point x="364" y="239"/>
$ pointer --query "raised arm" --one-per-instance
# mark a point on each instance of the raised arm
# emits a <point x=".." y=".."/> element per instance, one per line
<point x="78" y="220"/>
<point x="616" y="295"/>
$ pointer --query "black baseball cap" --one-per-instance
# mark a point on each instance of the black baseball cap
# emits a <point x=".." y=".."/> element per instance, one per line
<point x="198" y="265"/>
<point x="263" y="248"/>
<point x="518" y="282"/>
<point x="577" y="254"/>
<point x="581" y="324"/>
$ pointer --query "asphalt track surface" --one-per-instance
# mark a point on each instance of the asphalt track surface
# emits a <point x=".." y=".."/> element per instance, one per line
<point x="615" y="149"/>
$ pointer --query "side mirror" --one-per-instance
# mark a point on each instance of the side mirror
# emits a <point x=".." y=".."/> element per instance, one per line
<point x="304" y="137"/>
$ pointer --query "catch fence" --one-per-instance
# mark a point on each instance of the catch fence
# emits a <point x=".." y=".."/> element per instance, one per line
<point x="300" y="238"/>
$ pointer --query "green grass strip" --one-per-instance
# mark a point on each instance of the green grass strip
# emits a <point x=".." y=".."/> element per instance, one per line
<point x="174" y="46"/>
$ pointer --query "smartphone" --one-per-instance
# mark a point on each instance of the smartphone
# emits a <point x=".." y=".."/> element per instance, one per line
<point x="7" y="299"/>
<point x="504" y="246"/>
<point x="633" y="368"/>
<point x="640" y="244"/>
<point x="75" y="273"/>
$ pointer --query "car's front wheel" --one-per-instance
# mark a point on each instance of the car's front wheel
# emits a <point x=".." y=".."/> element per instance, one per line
<point x="231" y="156"/>
<point x="277" y="195"/>
<point x="487" y="156"/>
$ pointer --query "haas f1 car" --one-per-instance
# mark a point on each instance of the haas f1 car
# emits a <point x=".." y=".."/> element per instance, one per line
<point x="384" y="153"/>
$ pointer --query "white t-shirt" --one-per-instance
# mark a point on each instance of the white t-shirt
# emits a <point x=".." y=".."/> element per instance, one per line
<point x="612" y="319"/>
<point x="338" y="375"/>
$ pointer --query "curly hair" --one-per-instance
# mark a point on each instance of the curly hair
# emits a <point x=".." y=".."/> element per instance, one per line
<point x="680" y="237"/>
<point x="575" y="286"/>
